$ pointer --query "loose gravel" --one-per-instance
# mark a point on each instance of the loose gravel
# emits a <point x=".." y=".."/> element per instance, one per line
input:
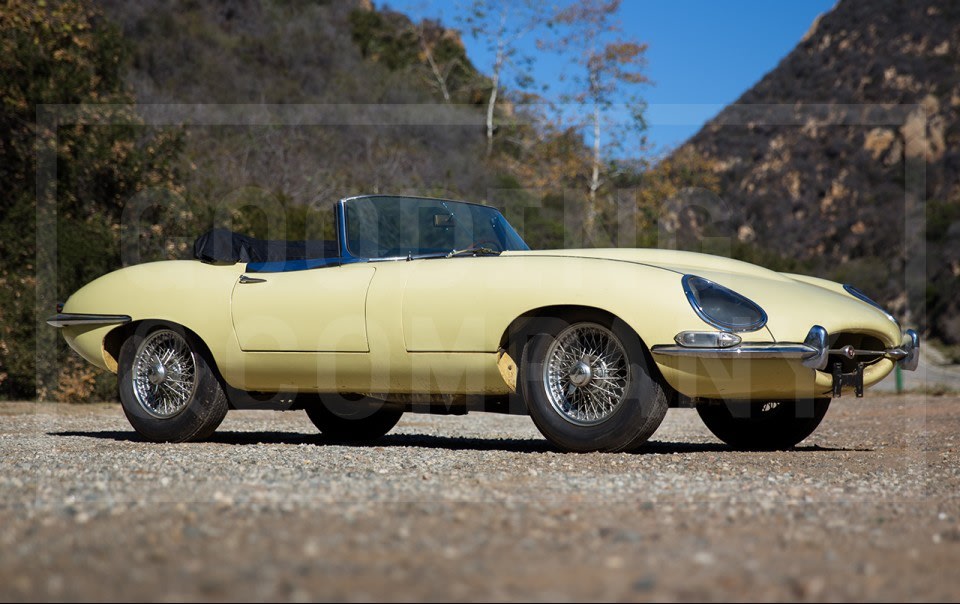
<point x="479" y="507"/>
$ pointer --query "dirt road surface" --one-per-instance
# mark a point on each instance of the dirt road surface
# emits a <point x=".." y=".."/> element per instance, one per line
<point x="479" y="508"/>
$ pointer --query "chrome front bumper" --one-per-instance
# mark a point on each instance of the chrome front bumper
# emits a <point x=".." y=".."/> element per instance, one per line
<point x="813" y="352"/>
<point x="73" y="318"/>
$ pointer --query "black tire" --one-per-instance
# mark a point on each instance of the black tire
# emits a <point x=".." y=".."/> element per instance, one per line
<point x="205" y="406"/>
<point x="633" y="414"/>
<point x="763" y="426"/>
<point x="352" y="417"/>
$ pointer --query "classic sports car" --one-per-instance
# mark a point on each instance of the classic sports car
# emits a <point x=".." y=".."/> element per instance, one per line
<point x="439" y="306"/>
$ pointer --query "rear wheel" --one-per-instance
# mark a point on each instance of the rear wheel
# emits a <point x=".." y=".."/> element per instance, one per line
<point x="756" y="425"/>
<point x="353" y="417"/>
<point x="168" y="389"/>
<point x="588" y="385"/>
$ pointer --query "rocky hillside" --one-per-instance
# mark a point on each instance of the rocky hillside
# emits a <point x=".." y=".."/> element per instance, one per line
<point x="847" y="155"/>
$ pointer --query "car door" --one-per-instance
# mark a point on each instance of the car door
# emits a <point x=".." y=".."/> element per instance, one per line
<point x="316" y="310"/>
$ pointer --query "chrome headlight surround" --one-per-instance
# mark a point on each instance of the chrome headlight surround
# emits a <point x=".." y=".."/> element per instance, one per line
<point x="702" y="294"/>
<point x="859" y="295"/>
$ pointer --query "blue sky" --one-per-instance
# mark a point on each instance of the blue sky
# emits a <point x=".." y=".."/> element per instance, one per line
<point x="702" y="54"/>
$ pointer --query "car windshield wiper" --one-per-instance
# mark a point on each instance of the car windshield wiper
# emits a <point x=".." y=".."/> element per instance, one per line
<point x="474" y="251"/>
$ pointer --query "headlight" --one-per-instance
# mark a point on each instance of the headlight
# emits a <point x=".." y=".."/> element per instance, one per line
<point x="859" y="295"/>
<point x="722" y="307"/>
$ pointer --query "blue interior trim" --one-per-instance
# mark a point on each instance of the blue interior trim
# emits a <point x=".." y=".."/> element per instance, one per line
<point x="284" y="266"/>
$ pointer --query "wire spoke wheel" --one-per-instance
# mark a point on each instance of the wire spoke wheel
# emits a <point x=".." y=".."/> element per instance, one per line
<point x="586" y="374"/>
<point x="587" y="383"/>
<point x="164" y="374"/>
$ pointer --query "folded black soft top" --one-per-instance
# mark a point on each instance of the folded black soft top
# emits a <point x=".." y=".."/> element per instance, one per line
<point x="219" y="246"/>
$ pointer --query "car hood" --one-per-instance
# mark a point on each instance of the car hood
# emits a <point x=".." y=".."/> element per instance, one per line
<point x="793" y="303"/>
<point x="671" y="260"/>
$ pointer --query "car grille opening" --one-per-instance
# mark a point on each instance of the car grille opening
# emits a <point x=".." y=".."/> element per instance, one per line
<point x="859" y="341"/>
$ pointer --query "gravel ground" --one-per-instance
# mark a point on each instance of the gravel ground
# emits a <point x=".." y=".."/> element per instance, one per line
<point x="479" y="508"/>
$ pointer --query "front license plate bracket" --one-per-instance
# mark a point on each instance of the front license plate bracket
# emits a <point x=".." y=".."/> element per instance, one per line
<point x="841" y="379"/>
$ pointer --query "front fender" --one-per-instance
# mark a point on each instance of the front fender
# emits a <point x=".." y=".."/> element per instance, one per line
<point x="187" y="293"/>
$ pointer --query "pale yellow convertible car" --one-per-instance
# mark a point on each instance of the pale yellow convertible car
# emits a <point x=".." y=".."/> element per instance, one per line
<point x="439" y="306"/>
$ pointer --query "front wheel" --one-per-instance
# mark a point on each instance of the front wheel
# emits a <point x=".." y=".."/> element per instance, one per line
<point x="771" y="425"/>
<point x="589" y="386"/>
<point x="168" y="389"/>
<point x="352" y="417"/>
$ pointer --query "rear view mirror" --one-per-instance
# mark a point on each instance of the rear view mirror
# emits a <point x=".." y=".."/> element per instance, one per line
<point x="444" y="220"/>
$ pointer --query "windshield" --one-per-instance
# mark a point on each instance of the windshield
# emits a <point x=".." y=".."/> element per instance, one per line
<point x="392" y="227"/>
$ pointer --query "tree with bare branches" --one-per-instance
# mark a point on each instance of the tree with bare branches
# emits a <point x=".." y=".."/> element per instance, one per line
<point x="611" y="70"/>
<point x="501" y="25"/>
<point x="431" y="35"/>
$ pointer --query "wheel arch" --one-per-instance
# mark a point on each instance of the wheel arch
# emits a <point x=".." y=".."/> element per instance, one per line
<point x="115" y="338"/>
<point x="522" y="328"/>
<point x="519" y="330"/>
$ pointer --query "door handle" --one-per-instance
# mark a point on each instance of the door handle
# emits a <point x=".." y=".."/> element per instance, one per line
<point x="246" y="279"/>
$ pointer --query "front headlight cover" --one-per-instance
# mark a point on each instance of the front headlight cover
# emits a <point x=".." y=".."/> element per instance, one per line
<point x="722" y="307"/>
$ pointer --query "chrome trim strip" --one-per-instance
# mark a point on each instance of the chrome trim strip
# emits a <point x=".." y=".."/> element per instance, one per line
<point x="422" y="197"/>
<point x="346" y="257"/>
<point x="70" y="318"/>
<point x="341" y="228"/>
<point x="749" y="350"/>
<point x="851" y="353"/>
